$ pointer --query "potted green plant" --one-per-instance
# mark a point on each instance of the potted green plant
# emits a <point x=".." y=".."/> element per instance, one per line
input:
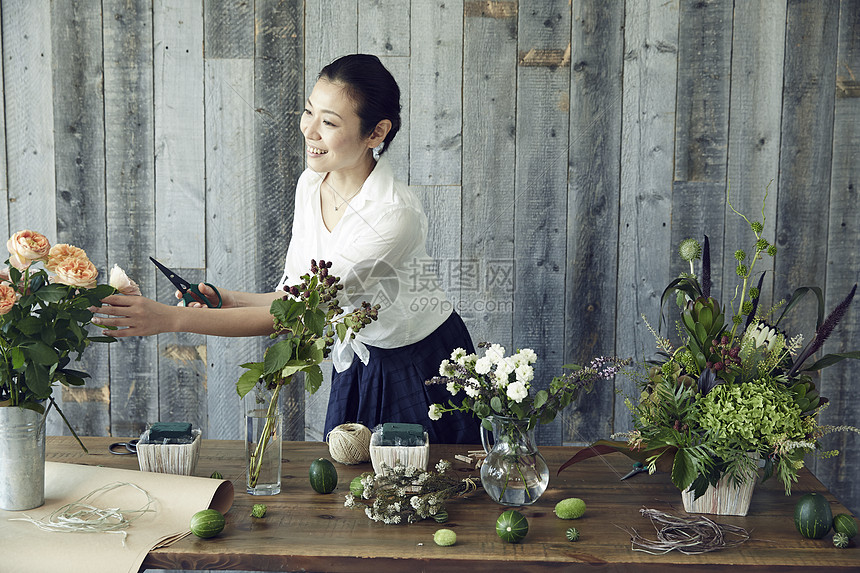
<point x="735" y="390"/>
<point x="45" y="296"/>
<point x="306" y="321"/>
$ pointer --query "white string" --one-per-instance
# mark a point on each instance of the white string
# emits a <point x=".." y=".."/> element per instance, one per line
<point x="81" y="517"/>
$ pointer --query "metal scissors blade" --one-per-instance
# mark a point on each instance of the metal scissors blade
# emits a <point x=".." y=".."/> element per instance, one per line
<point x="190" y="292"/>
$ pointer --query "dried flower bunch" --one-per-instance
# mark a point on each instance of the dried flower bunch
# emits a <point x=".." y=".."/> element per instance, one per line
<point x="495" y="384"/>
<point x="406" y="494"/>
<point x="733" y="387"/>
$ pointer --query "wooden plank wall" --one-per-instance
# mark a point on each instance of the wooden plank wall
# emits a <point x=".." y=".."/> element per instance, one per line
<point x="561" y="149"/>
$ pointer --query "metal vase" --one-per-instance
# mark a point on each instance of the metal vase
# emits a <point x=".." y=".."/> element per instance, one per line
<point x="22" y="458"/>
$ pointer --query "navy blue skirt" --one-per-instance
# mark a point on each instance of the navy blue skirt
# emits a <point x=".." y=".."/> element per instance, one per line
<point x="390" y="387"/>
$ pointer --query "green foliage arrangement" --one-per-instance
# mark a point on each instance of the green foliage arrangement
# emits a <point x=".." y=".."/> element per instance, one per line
<point x="734" y="386"/>
<point x="306" y="321"/>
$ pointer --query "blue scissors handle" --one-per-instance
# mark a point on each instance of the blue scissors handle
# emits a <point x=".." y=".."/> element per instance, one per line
<point x="190" y="293"/>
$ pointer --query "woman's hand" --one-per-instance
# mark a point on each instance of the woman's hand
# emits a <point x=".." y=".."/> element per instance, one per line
<point x="227" y="298"/>
<point x="133" y="316"/>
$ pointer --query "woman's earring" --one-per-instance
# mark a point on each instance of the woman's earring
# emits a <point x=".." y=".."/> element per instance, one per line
<point x="378" y="150"/>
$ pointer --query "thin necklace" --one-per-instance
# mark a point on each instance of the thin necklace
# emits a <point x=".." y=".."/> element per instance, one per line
<point x="335" y="195"/>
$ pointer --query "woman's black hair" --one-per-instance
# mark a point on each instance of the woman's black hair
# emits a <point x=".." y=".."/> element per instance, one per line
<point x="371" y="87"/>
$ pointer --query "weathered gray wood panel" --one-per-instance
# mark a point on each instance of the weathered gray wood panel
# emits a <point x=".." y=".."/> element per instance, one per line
<point x="80" y="181"/>
<point x="4" y="184"/>
<point x="758" y="47"/>
<point x="645" y="216"/>
<point x="540" y="199"/>
<point x="179" y="146"/>
<point x="29" y="112"/>
<point x="597" y="41"/>
<point x="843" y="264"/>
<point x="384" y="27"/>
<point x="487" y="271"/>
<point x="228" y="29"/>
<point x="130" y="209"/>
<point x="279" y="97"/>
<point x="437" y="45"/>
<point x="805" y="154"/>
<point x="701" y="127"/>
<point x="231" y="248"/>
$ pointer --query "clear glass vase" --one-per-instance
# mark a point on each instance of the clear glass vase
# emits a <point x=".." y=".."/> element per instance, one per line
<point x="514" y="472"/>
<point x="264" y="423"/>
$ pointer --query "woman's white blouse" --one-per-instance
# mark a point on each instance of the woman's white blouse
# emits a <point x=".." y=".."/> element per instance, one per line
<point x="378" y="251"/>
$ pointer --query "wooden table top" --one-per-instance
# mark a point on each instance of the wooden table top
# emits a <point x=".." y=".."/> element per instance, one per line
<point x="307" y="531"/>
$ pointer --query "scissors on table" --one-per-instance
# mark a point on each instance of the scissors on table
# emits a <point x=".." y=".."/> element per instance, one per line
<point x="638" y="468"/>
<point x="190" y="292"/>
<point x="123" y="448"/>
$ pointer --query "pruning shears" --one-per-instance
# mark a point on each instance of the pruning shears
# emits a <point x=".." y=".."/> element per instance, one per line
<point x="638" y="468"/>
<point x="190" y="292"/>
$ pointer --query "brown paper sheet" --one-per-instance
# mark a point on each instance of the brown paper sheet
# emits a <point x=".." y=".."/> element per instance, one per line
<point x="177" y="498"/>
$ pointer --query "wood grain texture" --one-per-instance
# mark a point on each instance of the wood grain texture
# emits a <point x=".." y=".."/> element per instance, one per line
<point x="307" y="531"/>
<point x="384" y="27"/>
<point x="805" y="161"/>
<point x="4" y="183"/>
<point x="701" y="128"/>
<point x="29" y="110"/>
<point x="228" y="31"/>
<point x="328" y="37"/>
<point x="592" y="206"/>
<point x="179" y="142"/>
<point x="130" y="210"/>
<point x="79" y="161"/>
<point x="843" y="270"/>
<point x="488" y="268"/>
<point x="279" y="98"/>
<point x="398" y="153"/>
<point x="645" y="216"/>
<point x="231" y="249"/>
<point x="436" y="143"/>
<point x="758" y="48"/>
<point x="540" y="201"/>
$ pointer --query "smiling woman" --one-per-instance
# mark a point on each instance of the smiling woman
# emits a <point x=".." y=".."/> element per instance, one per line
<point x="350" y="211"/>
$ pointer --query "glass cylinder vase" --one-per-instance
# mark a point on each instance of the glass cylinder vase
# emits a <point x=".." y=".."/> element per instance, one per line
<point x="22" y="458"/>
<point x="264" y="422"/>
<point x="514" y="472"/>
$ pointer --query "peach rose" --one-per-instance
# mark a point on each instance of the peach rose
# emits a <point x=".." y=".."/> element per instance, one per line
<point x="25" y="247"/>
<point x="76" y="272"/>
<point x="120" y="281"/>
<point x="8" y="297"/>
<point x="60" y="252"/>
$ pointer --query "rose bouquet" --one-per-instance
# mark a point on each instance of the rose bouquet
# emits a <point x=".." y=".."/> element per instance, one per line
<point x="44" y="313"/>
<point x="736" y="389"/>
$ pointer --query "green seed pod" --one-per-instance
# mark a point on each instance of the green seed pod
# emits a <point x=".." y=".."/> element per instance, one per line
<point x="747" y="307"/>
<point x="771" y="250"/>
<point x="757" y="227"/>
<point x="754" y="292"/>
<point x="740" y="255"/>
<point x="259" y="510"/>
<point x="690" y="249"/>
<point x="441" y="516"/>
<point x="742" y="270"/>
<point x="840" y="540"/>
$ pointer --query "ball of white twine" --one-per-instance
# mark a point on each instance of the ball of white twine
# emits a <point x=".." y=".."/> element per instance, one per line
<point x="349" y="444"/>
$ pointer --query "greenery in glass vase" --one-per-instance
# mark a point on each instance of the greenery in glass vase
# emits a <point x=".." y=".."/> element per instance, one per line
<point x="733" y="386"/>
<point x="306" y="321"/>
<point x="44" y="314"/>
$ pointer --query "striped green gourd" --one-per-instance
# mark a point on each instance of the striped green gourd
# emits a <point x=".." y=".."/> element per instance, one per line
<point x="812" y="516"/>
